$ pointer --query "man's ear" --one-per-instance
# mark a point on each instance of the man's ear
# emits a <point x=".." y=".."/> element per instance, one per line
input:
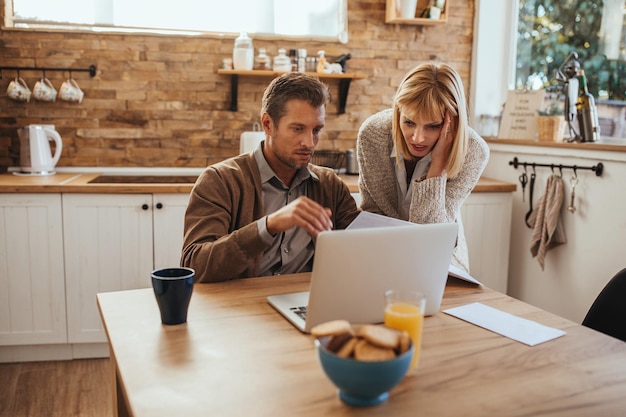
<point x="267" y="123"/>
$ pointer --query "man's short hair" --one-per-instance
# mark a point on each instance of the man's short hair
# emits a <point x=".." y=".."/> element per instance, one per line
<point x="292" y="85"/>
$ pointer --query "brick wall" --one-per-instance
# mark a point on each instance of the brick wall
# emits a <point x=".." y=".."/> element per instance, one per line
<point x="157" y="100"/>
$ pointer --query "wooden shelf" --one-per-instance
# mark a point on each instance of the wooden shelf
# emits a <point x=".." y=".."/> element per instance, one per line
<point x="266" y="73"/>
<point x="344" y="83"/>
<point x="392" y="16"/>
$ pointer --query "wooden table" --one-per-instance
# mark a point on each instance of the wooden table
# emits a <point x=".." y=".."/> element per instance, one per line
<point x="237" y="356"/>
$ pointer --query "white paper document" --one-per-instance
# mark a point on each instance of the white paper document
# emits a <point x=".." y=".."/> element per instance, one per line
<point x="457" y="272"/>
<point x="366" y="219"/>
<point x="522" y="330"/>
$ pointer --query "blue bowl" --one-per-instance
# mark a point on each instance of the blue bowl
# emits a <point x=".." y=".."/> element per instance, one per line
<point x="362" y="383"/>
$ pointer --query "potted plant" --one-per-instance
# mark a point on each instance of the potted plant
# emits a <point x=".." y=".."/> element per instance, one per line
<point x="551" y="122"/>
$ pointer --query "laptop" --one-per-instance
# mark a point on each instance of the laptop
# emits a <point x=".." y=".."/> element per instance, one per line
<point x="353" y="268"/>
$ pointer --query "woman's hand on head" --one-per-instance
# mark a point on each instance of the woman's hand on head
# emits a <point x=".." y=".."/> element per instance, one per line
<point x="441" y="150"/>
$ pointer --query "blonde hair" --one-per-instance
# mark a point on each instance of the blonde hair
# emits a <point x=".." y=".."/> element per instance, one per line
<point x="426" y="92"/>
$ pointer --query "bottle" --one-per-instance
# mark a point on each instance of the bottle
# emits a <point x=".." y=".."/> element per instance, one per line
<point x="282" y="62"/>
<point x="301" y="60"/>
<point x="586" y="112"/>
<point x="243" y="53"/>
<point x="293" y="56"/>
<point x="321" y="62"/>
<point x="262" y="61"/>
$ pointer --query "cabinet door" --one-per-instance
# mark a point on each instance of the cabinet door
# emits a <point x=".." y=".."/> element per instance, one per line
<point x="487" y="225"/>
<point x="108" y="247"/>
<point x="169" y="216"/>
<point x="32" y="282"/>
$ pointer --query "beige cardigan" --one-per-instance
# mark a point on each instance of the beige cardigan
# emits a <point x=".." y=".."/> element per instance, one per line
<point x="434" y="200"/>
<point x="221" y="239"/>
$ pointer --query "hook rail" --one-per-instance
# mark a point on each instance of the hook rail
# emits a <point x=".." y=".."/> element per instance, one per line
<point x="596" y="168"/>
<point x="91" y="70"/>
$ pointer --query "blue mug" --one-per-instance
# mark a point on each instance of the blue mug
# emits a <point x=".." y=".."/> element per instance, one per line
<point x="172" y="289"/>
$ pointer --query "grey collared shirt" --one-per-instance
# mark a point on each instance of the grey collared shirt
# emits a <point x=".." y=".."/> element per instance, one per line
<point x="291" y="251"/>
<point x="405" y="191"/>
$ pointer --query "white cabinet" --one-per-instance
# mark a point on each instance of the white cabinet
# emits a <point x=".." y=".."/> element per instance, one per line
<point x="32" y="282"/>
<point x="168" y="224"/>
<point x="112" y="243"/>
<point x="487" y="225"/>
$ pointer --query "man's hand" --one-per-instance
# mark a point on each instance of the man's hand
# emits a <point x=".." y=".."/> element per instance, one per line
<point x="302" y="212"/>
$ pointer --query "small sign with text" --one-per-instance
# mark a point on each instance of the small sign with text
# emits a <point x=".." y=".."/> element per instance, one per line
<point x="519" y="117"/>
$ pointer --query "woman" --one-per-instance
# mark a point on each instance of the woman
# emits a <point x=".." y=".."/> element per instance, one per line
<point x="420" y="160"/>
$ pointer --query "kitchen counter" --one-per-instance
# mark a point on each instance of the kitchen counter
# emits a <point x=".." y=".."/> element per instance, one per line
<point x="68" y="182"/>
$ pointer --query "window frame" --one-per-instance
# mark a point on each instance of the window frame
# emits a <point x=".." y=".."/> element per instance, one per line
<point x="9" y="23"/>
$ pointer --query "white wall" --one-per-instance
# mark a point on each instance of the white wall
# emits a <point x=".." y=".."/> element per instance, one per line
<point x="596" y="233"/>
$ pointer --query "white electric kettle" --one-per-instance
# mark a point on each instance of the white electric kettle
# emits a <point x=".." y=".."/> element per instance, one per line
<point x="35" y="152"/>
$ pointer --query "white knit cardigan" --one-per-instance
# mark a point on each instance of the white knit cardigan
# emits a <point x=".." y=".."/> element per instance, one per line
<point x="434" y="200"/>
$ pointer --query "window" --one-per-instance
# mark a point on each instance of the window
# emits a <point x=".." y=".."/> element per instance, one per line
<point x="521" y="43"/>
<point x="550" y="30"/>
<point x="326" y="19"/>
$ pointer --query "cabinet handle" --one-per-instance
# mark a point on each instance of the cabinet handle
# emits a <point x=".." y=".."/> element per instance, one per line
<point x="159" y="206"/>
<point x="145" y="207"/>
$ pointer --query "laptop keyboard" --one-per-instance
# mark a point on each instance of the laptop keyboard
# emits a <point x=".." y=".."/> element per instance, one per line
<point x="300" y="311"/>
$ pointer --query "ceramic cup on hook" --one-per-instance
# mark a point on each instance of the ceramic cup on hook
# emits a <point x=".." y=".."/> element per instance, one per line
<point x="44" y="90"/>
<point x="70" y="91"/>
<point x="18" y="90"/>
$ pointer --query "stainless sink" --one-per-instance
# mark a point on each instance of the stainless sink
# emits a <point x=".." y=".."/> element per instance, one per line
<point x="144" y="179"/>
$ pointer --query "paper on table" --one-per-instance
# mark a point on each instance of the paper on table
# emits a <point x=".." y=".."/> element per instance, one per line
<point x="366" y="219"/>
<point x="526" y="331"/>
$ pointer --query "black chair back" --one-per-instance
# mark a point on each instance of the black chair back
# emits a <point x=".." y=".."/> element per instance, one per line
<point x="607" y="314"/>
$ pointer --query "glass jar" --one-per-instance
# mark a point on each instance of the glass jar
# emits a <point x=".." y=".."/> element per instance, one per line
<point x="301" y="60"/>
<point x="282" y="62"/>
<point x="243" y="53"/>
<point x="262" y="61"/>
<point x="311" y="64"/>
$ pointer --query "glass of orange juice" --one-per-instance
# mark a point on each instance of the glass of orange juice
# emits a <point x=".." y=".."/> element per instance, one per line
<point x="404" y="310"/>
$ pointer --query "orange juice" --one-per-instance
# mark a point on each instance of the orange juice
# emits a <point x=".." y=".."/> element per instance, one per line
<point x="409" y="317"/>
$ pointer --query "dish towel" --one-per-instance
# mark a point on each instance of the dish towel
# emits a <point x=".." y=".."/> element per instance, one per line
<point x="546" y="222"/>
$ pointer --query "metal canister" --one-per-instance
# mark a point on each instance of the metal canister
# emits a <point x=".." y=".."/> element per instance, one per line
<point x="352" y="167"/>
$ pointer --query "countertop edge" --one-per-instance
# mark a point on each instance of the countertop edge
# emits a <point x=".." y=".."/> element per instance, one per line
<point x="76" y="182"/>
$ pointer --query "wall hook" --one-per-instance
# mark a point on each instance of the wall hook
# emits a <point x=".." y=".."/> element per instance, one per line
<point x="598" y="168"/>
<point x="91" y="69"/>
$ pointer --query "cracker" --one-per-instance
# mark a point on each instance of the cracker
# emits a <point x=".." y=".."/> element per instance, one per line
<point x="404" y="342"/>
<point x="336" y="342"/>
<point x="380" y="336"/>
<point x="347" y="349"/>
<point x="365" y="351"/>
<point x="331" y="328"/>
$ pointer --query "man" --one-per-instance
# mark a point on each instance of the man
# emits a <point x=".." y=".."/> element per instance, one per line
<point x="259" y="213"/>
